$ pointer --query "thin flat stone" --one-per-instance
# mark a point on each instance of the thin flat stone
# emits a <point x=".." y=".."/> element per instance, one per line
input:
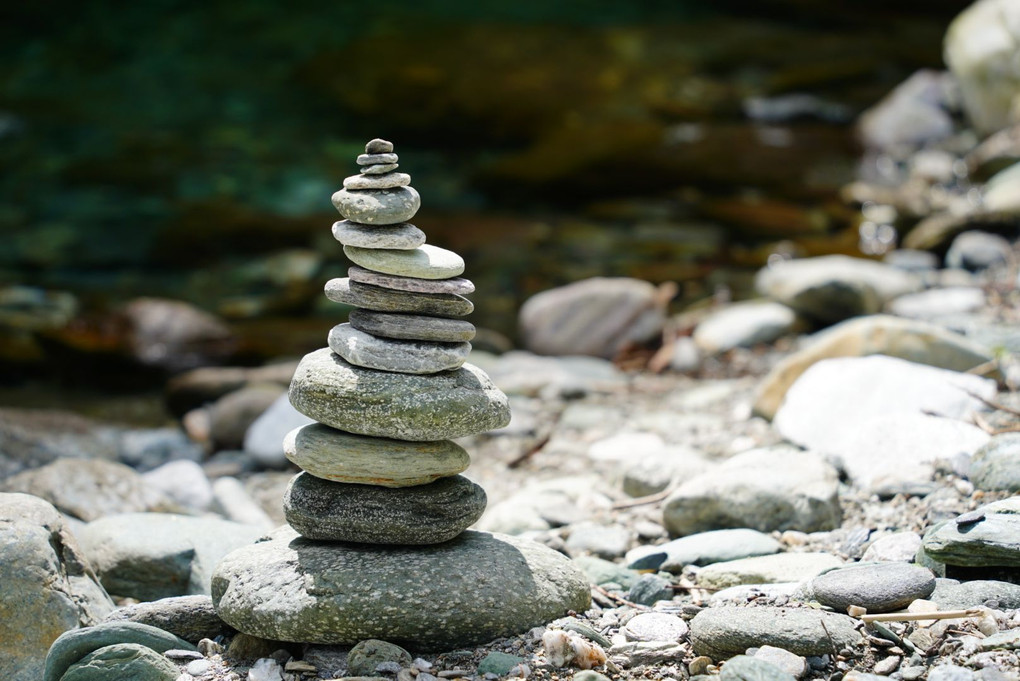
<point x="724" y="631"/>
<point x="470" y="590"/>
<point x="412" y="327"/>
<point x="339" y="456"/>
<point x="378" y="206"/>
<point x="371" y="181"/>
<point x="379" y="168"/>
<point x="440" y="406"/>
<point x="400" y="236"/>
<point x="343" y="290"/>
<point x="423" y="514"/>
<point x="375" y="159"/>
<point x="424" y="262"/>
<point x="379" y="146"/>
<point x="401" y="356"/>
<point x="458" y="285"/>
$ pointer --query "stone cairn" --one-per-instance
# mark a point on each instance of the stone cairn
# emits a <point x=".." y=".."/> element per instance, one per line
<point x="377" y="545"/>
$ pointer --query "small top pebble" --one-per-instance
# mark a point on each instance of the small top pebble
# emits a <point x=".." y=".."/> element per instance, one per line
<point x="378" y="146"/>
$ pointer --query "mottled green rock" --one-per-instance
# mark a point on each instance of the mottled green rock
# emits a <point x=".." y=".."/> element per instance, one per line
<point x="402" y="406"/>
<point x="378" y="206"/>
<point x="369" y="654"/>
<point x="424" y="262"/>
<point x="74" y="645"/>
<point x="122" y="661"/>
<point x="295" y="589"/>
<point x="423" y="514"/>
<point x="335" y="455"/>
<point x="348" y="292"/>
<point x="400" y="356"/>
<point x="402" y="235"/>
<point x="498" y="663"/>
<point x="991" y="540"/>
<point x="412" y="327"/>
<point x="724" y="631"/>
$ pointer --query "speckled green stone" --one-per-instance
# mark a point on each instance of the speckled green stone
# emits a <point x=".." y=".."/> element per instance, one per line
<point x="401" y="356"/>
<point x="378" y="206"/>
<point x="439" y="406"/>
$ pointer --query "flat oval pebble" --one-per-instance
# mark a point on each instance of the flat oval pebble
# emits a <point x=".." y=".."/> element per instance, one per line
<point x="376" y="159"/>
<point x="724" y="631"/>
<point x="879" y="587"/>
<point x="402" y="235"/>
<point x="441" y="406"/>
<point x="655" y="626"/>
<point x="379" y="168"/>
<point x="379" y="206"/>
<point x="294" y="589"/>
<point x="412" y="327"/>
<point x="424" y="262"/>
<point x="339" y="456"/>
<point x="349" y="292"/>
<point x="458" y="285"/>
<point x="373" y="181"/>
<point x="423" y="514"/>
<point x="378" y="146"/>
<point x="401" y="356"/>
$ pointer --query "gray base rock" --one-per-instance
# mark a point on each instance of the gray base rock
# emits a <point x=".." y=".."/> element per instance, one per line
<point x="424" y="262"/>
<point x="379" y="206"/>
<point x="423" y="514"/>
<point x="189" y="617"/>
<point x="412" y="327"/>
<point x="401" y="236"/>
<point x="992" y="539"/>
<point x="348" y="292"/>
<point x="399" y="356"/>
<point x="952" y="595"/>
<point x="401" y="406"/>
<point x="413" y="284"/>
<point x="122" y="661"/>
<point x="463" y="592"/>
<point x="345" y="457"/>
<point x="881" y="587"/>
<point x="74" y="645"/>
<point x="724" y="631"/>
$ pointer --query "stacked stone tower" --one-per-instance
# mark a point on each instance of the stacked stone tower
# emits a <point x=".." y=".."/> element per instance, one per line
<point x="376" y="545"/>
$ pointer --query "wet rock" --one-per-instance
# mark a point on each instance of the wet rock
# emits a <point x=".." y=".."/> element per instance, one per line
<point x="744" y="325"/>
<point x="234" y="413"/>
<point x="766" y="489"/>
<point x="175" y="336"/>
<point x="263" y="439"/>
<point x="912" y="114"/>
<point x="594" y="317"/>
<point x="775" y="569"/>
<point x="914" y="341"/>
<point x="48" y="585"/>
<point x="191" y="618"/>
<point x="976" y="251"/>
<point x="996" y="465"/>
<point x="881" y="587"/>
<point x="724" y="631"/>
<point x="493" y="585"/>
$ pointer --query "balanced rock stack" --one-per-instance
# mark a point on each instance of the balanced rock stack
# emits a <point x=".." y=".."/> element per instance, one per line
<point x="377" y="544"/>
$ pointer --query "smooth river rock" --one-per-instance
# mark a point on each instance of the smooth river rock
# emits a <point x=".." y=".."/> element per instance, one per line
<point x="989" y="536"/>
<point x="777" y="568"/>
<point x="412" y="327"/>
<point x="423" y="514"/>
<point x="379" y="206"/>
<point x="879" y="587"/>
<point x="122" y="661"/>
<point x="74" y="645"/>
<point x="295" y="589"/>
<point x="343" y="290"/>
<point x="996" y="465"/>
<point x="424" y="262"/>
<point x="377" y="181"/>
<point x="724" y="631"/>
<point x="440" y="406"/>
<point x="335" y="455"/>
<point x="400" y="356"/>
<point x="402" y="235"/>
<point x="413" y="284"/>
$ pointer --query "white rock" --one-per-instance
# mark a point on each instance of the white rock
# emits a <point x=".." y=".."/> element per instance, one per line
<point x="184" y="481"/>
<point x="744" y="325"/>
<point x="265" y="669"/>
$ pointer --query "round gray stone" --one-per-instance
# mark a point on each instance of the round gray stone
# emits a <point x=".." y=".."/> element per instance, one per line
<point x="334" y="455"/>
<point x="412" y="327"/>
<point x="423" y="514"/>
<point x="441" y="406"/>
<point x="378" y="206"/>
<point x="74" y="645"/>
<point x="379" y="146"/>
<point x="349" y="292"/>
<point x="402" y="235"/>
<point x="424" y="262"/>
<point x="401" y="356"/>
<point x="371" y="181"/>
<point x="470" y="590"/>
<point x="379" y="168"/>
<point x="452" y="285"/>
<point x="996" y="465"/>
<point x="122" y="661"/>
<point x="371" y="159"/>
<point x="724" y="631"/>
<point x="369" y="654"/>
<point x="879" y="587"/>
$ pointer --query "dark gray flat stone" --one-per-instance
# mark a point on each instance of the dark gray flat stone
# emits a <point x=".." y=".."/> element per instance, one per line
<point x="414" y="284"/>
<point x="878" y="587"/>
<point x="412" y="327"/>
<point x="400" y="356"/>
<point x="349" y="292"/>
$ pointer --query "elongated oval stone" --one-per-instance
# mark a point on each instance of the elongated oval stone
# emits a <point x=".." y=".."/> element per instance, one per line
<point x="440" y="406"/>
<point x="402" y="235"/>
<point x="343" y="290"/>
<point x="294" y="589"/>
<point x="378" y="206"/>
<point x="423" y="514"/>
<point x="335" y="455"/>
<point x="424" y="262"/>
<point x="412" y="327"/>
<point x="458" y="285"/>
<point x="380" y="181"/>
<point x="402" y="356"/>
<point x="370" y="158"/>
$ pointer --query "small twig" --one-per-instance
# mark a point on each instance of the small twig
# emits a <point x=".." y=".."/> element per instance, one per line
<point x="641" y="501"/>
<point x="914" y="616"/>
<point x="982" y="423"/>
<point x="993" y="404"/>
<point x="832" y="644"/>
<point x="530" y="452"/>
<point x="619" y="599"/>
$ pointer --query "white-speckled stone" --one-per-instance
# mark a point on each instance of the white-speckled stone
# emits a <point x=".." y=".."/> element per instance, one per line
<point x="401" y="356"/>
<point x="424" y="262"/>
<point x="378" y="206"/>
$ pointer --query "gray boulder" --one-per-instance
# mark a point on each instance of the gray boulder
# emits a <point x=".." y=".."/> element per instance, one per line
<point x="724" y="631"/>
<point x="989" y="536"/>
